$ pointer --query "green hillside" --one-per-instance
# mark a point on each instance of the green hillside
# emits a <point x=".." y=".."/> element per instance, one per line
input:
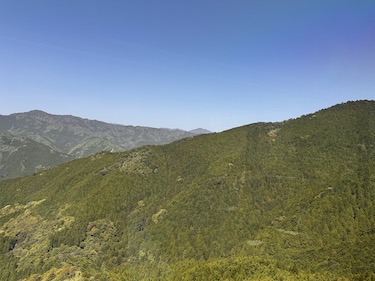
<point x="35" y="140"/>
<point x="22" y="156"/>
<point x="268" y="201"/>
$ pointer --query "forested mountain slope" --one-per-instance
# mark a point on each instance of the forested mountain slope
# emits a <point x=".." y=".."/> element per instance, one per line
<point x="268" y="201"/>
<point x="70" y="137"/>
<point x="20" y="156"/>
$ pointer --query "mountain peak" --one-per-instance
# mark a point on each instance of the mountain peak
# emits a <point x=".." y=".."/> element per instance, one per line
<point x="37" y="112"/>
<point x="75" y="137"/>
<point x="33" y="113"/>
<point x="200" y="131"/>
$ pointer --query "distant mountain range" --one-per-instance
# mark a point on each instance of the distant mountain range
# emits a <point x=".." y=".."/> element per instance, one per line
<point x="35" y="140"/>
<point x="200" y="131"/>
<point x="292" y="200"/>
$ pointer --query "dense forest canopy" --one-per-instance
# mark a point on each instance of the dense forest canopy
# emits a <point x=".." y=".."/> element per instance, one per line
<point x="293" y="200"/>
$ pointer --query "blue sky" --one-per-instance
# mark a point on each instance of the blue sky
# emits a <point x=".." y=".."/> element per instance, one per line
<point x="214" y="64"/>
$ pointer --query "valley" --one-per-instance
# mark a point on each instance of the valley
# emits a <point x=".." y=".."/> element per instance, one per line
<point x="33" y="135"/>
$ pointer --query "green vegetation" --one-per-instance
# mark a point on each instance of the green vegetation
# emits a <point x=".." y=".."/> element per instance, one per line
<point x="35" y="140"/>
<point x="268" y="201"/>
<point x="22" y="156"/>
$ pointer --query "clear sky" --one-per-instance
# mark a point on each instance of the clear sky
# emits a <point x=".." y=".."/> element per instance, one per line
<point x="215" y="64"/>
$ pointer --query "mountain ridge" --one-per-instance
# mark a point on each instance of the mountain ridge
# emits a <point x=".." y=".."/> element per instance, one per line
<point x="292" y="200"/>
<point x="80" y="137"/>
<point x="200" y="131"/>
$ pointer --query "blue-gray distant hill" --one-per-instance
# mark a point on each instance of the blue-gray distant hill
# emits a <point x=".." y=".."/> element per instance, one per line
<point x="200" y="131"/>
<point x="42" y="140"/>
